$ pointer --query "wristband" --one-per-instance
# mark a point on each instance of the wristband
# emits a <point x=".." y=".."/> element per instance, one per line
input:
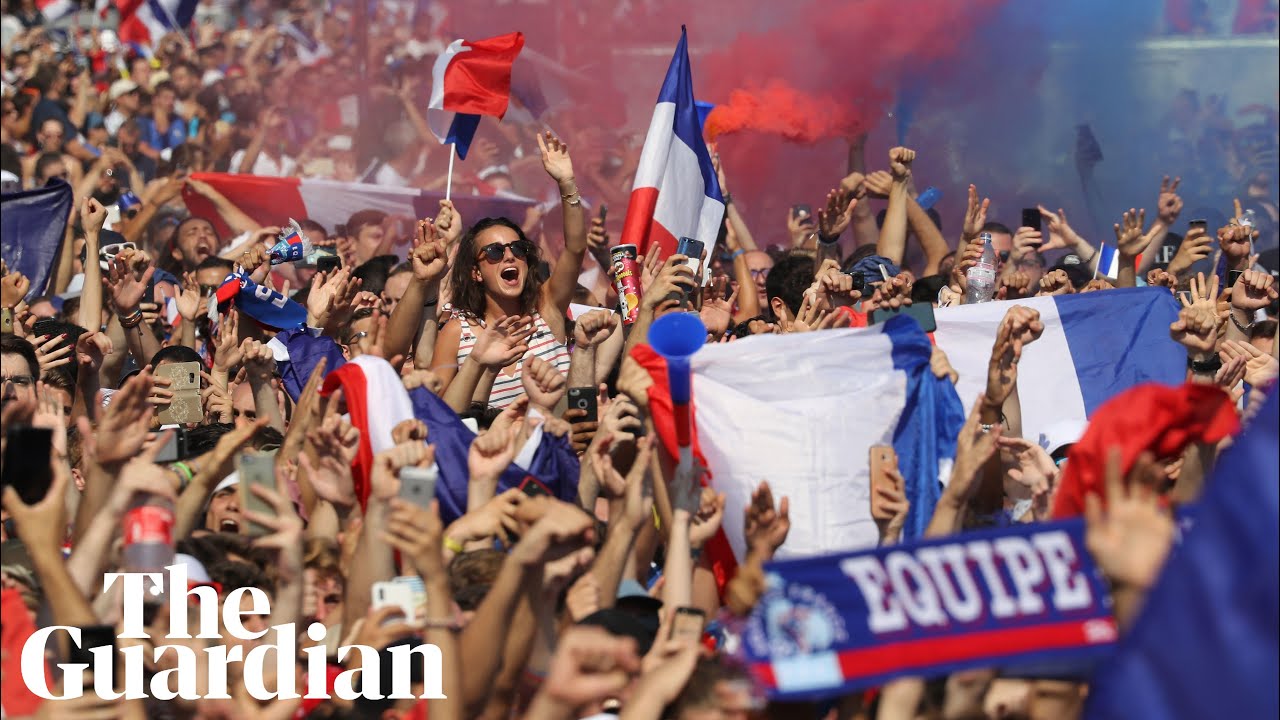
<point x="131" y="321"/>
<point x="728" y="199"/>
<point x="827" y="242"/>
<point x="736" y="254"/>
<point x="453" y="546"/>
<point x="1205" y="367"/>
<point x="186" y="472"/>
<point x="432" y="303"/>
<point x="1246" y="329"/>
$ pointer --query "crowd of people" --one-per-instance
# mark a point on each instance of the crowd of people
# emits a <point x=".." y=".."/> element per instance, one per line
<point x="552" y="598"/>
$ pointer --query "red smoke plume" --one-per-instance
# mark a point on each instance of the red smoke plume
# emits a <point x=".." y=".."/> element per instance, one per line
<point x="779" y="109"/>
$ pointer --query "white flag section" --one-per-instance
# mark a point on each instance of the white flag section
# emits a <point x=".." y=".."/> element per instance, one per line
<point x="802" y="411"/>
<point x="1094" y="346"/>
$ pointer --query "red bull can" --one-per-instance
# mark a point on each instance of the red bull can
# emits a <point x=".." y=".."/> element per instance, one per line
<point x="626" y="281"/>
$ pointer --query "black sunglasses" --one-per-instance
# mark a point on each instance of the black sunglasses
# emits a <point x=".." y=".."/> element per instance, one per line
<point x="494" y="252"/>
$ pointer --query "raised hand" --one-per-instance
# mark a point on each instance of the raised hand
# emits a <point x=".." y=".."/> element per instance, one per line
<point x="555" y="157"/>
<point x="51" y="415"/>
<point x="91" y="350"/>
<point x="1026" y="241"/>
<point x="975" y="445"/>
<point x="650" y="268"/>
<point x="1162" y="278"/>
<point x="1130" y="240"/>
<point x="634" y="382"/>
<point x="125" y="287"/>
<point x="503" y="342"/>
<point x="892" y="294"/>
<point x="594" y="328"/>
<point x="1197" y="325"/>
<point x="1013" y="285"/>
<point x="589" y="665"/>
<point x="543" y="383"/>
<point x="409" y="430"/>
<point x="1236" y="240"/>
<point x="52" y="352"/>
<point x="1168" y="204"/>
<point x="1260" y="368"/>
<point x="854" y="185"/>
<point x="192" y="299"/>
<point x="894" y="499"/>
<point x="384" y="479"/>
<point x="226" y="347"/>
<point x="429" y="257"/>
<point x="1061" y="234"/>
<point x="492" y="452"/>
<point x="1196" y="246"/>
<point x="900" y="160"/>
<point x="836" y="216"/>
<point x="766" y="525"/>
<point x="216" y="401"/>
<point x="1056" y="282"/>
<point x="674" y="276"/>
<point x="1131" y="538"/>
<point x="717" y="311"/>
<point x="258" y="360"/>
<point x="13" y="287"/>
<point x="418" y="535"/>
<point x="975" y="214"/>
<point x="125" y="422"/>
<point x="424" y="378"/>
<point x="597" y="236"/>
<point x="1020" y="327"/>
<point x="449" y="222"/>
<point x="92" y="216"/>
<point x="878" y="184"/>
<point x="335" y="444"/>
<point x="1029" y="465"/>
<point x="1253" y="290"/>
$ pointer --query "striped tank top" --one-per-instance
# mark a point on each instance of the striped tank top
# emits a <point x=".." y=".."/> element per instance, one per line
<point x="507" y="388"/>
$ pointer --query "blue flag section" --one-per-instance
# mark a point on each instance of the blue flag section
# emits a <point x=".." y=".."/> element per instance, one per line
<point x="33" y="224"/>
<point x="829" y="625"/>
<point x="1205" y="644"/>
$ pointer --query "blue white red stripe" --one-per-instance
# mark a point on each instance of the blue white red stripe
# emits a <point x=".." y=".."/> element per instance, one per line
<point x="55" y="10"/>
<point x="471" y="79"/>
<point x="146" y="21"/>
<point x="676" y="193"/>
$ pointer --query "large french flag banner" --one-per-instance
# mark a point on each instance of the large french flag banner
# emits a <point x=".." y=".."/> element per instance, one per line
<point x="146" y="21"/>
<point x="676" y="193"/>
<point x="1094" y="346"/>
<point x="818" y="402"/>
<point x="1026" y="594"/>
<point x="272" y="200"/>
<point x="470" y="79"/>
<point x="1204" y="644"/>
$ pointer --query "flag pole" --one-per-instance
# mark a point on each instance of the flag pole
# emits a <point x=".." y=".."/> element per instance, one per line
<point x="448" y="186"/>
<point x="1098" y="262"/>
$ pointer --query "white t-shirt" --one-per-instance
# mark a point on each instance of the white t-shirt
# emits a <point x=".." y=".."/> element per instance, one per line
<point x="264" y="165"/>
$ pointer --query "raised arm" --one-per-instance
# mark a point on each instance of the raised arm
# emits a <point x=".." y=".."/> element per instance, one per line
<point x="893" y="235"/>
<point x="564" y="276"/>
<point x="235" y="218"/>
<point x="1168" y="207"/>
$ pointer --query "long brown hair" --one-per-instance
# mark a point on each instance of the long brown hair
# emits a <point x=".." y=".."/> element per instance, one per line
<point x="469" y="295"/>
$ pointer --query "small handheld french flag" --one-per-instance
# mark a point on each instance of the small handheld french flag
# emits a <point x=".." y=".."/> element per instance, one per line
<point x="471" y="79"/>
<point x="292" y="246"/>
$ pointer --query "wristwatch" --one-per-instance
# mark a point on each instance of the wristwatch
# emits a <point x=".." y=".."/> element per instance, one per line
<point x="1204" y="367"/>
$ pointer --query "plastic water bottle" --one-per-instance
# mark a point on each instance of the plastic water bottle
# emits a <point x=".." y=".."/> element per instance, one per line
<point x="148" y="541"/>
<point x="982" y="276"/>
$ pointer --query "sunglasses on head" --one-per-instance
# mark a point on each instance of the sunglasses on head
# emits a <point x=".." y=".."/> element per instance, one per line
<point x="494" y="252"/>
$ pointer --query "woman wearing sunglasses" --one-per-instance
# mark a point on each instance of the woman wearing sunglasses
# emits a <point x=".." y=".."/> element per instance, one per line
<point x="501" y="310"/>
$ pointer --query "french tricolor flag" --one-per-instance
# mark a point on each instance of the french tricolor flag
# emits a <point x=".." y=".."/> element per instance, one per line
<point x="471" y="79"/>
<point x="146" y="21"/>
<point x="676" y="193"/>
<point x="55" y="10"/>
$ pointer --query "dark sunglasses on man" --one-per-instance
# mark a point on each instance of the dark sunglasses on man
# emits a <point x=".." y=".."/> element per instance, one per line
<point x="494" y="252"/>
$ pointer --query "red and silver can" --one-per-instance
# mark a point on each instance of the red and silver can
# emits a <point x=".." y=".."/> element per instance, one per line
<point x="626" y="281"/>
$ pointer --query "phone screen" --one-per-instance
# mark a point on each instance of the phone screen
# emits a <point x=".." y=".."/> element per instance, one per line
<point x="256" y="469"/>
<point x="1031" y="218"/>
<point x="533" y="487"/>
<point x="26" y="462"/>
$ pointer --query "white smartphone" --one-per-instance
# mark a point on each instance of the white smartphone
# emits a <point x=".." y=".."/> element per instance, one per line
<point x="406" y="592"/>
<point x="418" y="485"/>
